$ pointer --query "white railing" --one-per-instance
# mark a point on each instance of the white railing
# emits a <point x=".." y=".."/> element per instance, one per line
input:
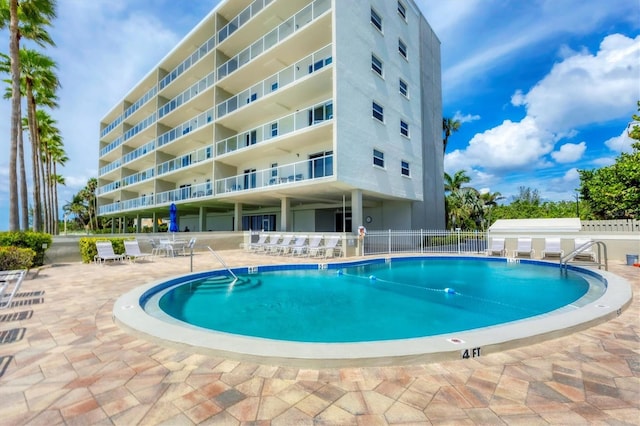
<point x="185" y="193"/>
<point x="425" y="241"/>
<point x="186" y="160"/>
<point x="315" y="168"/>
<point x="242" y="18"/>
<point x="301" y="19"/>
<point x="301" y="69"/>
<point x="308" y="117"/>
<point x="186" y="127"/>
<point x="617" y="225"/>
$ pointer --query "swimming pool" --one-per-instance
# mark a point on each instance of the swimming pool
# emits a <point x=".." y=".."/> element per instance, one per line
<point x="399" y="308"/>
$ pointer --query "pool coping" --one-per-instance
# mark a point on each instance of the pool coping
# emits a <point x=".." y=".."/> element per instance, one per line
<point x="129" y="314"/>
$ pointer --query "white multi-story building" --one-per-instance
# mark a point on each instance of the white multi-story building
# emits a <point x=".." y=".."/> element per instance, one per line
<point x="297" y="115"/>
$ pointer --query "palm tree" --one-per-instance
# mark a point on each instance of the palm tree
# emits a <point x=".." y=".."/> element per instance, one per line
<point x="454" y="183"/>
<point x="454" y="203"/>
<point x="489" y="201"/>
<point x="28" y="19"/>
<point x="449" y="126"/>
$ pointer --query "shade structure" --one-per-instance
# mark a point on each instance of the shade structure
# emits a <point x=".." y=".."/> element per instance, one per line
<point x="173" y="218"/>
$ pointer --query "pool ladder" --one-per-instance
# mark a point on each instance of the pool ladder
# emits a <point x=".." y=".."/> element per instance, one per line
<point x="235" y="277"/>
<point x="600" y="260"/>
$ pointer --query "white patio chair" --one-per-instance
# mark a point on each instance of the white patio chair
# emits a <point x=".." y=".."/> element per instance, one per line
<point x="6" y="279"/>
<point x="314" y="245"/>
<point x="257" y="246"/>
<point x="166" y="246"/>
<point x="587" y="253"/>
<point x="524" y="247"/>
<point x="283" y="246"/>
<point x="105" y="252"/>
<point x="299" y="246"/>
<point x="497" y="246"/>
<point x="552" y="247"/>
<point x="133" y="253"/>
<point x="274" y="240"/>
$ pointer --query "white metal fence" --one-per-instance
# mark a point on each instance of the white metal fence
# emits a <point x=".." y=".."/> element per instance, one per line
<point x="425" y="241"/>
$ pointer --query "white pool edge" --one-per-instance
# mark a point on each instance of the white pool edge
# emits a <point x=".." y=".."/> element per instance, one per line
<point x="129" y="313"/>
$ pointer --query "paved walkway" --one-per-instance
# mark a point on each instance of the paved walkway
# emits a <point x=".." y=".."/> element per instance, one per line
<point x="64" y="361"/>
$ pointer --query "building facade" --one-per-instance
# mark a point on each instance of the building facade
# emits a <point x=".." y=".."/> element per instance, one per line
<point x="305" y="115"/>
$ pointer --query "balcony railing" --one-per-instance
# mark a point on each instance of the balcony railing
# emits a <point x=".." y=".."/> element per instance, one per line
<point x="185" y="128"/>
<point x="108" y="188"/>
<point x="284" y="30"/>
<point x="242" y="18"/>
<point x="113" y="145"/>
<point x="130" y="110"/>
<point x="143" y="150"/>
<point x="314" y="168"/>
<point x="185" y="193"/>
<point x="138" y="177"/>
<point x="185" y="96"/>
<point x="186" y="160"/>
<point x="148" y="121"/>
<point x="109" y="167"/>
<point x="200" y="52"/>
<point x="300" y="69"/>
<point x="308" y="117"/>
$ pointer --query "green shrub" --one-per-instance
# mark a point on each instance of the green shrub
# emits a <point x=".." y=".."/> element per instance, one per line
<point x="16" y="258"/>
<point x="39" y="242"/>
<point x="88" y="249"/>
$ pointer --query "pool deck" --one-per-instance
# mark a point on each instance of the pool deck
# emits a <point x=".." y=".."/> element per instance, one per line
<point x="63" y="360"/>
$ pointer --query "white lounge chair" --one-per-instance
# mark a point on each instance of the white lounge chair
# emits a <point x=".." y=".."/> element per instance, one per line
<point x="587" y="253"/>
<point x="283" y="246"/>
<point x="552" y="247"/>
<point x="299" y="246"/>
<point x="497" y="246"/>
<point x="262" y="239"/>
<point x="273" y="242"/>
<point x="105" y="252"/>
<point x="6" y="279"/>
<point x="133" y="253"/>
<point x="524" y="246"/>
<point x="330" y="247"/>
<point x="314" y="243"/>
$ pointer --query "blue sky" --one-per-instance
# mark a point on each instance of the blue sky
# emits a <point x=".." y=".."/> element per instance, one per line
<point x="542" y="87"/>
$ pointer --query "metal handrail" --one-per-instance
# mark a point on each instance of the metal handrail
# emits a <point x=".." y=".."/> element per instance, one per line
<point x="223" y="264"/>
<point x="602" y="247"/>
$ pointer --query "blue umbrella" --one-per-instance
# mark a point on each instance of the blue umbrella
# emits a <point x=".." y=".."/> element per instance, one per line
<point x="173" y="218"/>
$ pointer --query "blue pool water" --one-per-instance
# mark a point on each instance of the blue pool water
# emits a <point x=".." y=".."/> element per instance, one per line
<point x="374" y="302"/>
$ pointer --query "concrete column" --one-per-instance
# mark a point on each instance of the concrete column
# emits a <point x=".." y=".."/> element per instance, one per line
<point x="138" y="223"/>
<point x="155" y="222"/>
<point x="357" y="217"/>
<point x="113" y="224"/>
<point x="285" y="214"/>
<point x="202" y="219"/>
<point x="237" y="217"/>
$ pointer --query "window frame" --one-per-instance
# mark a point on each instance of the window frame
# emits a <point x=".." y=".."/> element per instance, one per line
<point x="403" y="49"/>
<point x="378" y="158"/>
<point x="375" y="65"/>
<point x="401" y="82"/>
<point x="376" y="20"/>
<point x="404" y="128"/>
<point x="374" y="111"/>
<point x="404" y="166"/>
<point x="402" y="10"/>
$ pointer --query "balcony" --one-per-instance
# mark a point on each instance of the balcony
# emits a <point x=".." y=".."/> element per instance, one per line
<point x="307" y="118"/>
<point x="113" y="145"/>
<point x="199" y="53"/>
<point x="187" y="192"/>
<point x="186" y="160"/>
<point x="185" y="128"/>
<point x="297" y="22"/>
<point x="301" y="69"/>
<point x="242" y="18"/>
<point x="138" y="177"/>
<point x="302" y="171"/>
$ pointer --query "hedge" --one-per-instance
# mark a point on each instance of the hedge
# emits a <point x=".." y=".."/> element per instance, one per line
<point x="88" y="247"/>
<point x="39" y="242"/>
<point x="16" y="258"/>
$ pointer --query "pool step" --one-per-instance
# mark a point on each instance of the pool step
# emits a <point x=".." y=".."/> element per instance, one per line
<point x="224" y="283"/>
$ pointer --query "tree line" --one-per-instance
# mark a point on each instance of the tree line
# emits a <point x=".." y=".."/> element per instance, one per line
<point x="32" y="78"/>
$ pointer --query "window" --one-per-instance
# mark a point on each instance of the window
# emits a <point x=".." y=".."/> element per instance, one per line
<point x="404" y="88"/>
<point x="402" y="11"/>
<point x="378" y="158"/>
<point x="376" y="65"/>
<point x="274" y="130"/>
<point x="376" y="20"/>
<point x="404" y="128"/>
<point x="402" y="48"/>
<point x="404" y="168"/>
<point x="378" y="112"/>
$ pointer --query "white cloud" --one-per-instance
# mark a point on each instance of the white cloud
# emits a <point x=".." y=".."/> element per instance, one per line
<point x="466" y="118"/>
<point x="569" y="152"/>
<point x="621" y="143"/>
<point x="508" y="146"/>
<point x="586" y="88"/>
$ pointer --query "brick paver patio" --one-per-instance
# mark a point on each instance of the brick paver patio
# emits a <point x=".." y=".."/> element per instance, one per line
<point x="64" y="361"/>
